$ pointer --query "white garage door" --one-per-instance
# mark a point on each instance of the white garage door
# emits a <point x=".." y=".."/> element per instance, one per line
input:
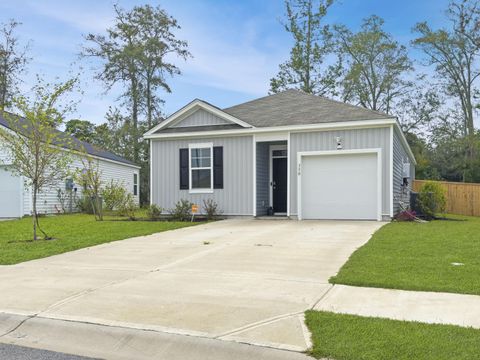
<point x="340" y="186"/>
<point x="10" y="194"/>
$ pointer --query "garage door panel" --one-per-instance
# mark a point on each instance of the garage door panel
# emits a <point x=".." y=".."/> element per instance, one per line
<point x="340" y="187"/>
<point x="10" y="194"/>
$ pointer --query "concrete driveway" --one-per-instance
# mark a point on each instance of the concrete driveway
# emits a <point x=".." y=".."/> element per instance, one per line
<point x="242" y="280"/>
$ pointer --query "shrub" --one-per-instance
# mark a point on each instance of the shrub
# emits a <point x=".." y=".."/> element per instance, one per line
<point x="154" y="211"/>
<point x="84" y="205"/>
<point x="407" y="215"/>
<point x="114" y="195"/>
<point x="182" y="210"/>
<point x="211" y="209"/>
<point x="432" y="199"/>
<point x="128" y="208"/>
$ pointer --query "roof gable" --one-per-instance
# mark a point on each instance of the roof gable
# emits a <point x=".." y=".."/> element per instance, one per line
<point x="201" y="117"/>
<point x="294" y="107"/>
<point x="197" y="114"/>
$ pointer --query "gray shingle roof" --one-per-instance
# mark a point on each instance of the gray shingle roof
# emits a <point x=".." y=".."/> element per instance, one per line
<point x="77" y="144"/>
<point x="294" y="107"/>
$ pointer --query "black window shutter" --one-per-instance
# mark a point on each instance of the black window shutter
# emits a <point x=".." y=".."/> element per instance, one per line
<point x="184" y="173"/>
<point x="218" y="167"/>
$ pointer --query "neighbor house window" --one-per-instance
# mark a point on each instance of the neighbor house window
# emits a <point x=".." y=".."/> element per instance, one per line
<point x="201" y="173"/>
<point x="135" y="184"/>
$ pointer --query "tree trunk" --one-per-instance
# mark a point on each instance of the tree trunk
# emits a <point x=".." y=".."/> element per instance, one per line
<point x="34" y="215"/>
<point x="149" y="105"/>
<point x="135" y="119"/>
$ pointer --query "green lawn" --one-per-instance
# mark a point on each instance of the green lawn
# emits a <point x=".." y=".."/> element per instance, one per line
<point x="71" y="232"/>
<point x="419" y="256"/>
<point x="348" y="337"/>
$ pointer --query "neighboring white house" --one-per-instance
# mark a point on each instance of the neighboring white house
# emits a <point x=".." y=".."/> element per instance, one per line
<point x="16" y="198"/>
<point x="291" y="153"/>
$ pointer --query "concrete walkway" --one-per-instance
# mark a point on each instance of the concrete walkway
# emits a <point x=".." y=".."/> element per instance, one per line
<point x="427" y="307"/>
<point x="245" y="281"/>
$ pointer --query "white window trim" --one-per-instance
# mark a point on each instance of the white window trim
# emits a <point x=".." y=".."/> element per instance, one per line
<point x="135" y="184"/>
<point x="190" y="169"/>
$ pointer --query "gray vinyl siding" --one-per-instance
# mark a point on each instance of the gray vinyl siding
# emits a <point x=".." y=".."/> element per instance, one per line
<point x="201" y="118"/>
<point x="399" y="157"/>
<point x="236" y="197"/>
<point x="263" y="178"/>
<point x="351" y="139"/>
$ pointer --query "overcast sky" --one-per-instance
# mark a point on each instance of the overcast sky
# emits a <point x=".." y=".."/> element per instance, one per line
<point x="237" y="45"/>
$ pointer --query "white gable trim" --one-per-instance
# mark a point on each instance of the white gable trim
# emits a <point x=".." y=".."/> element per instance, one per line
<point x="190" y="109"/>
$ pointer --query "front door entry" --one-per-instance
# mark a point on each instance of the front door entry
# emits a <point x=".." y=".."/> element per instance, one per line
<point x="279" y="184"/>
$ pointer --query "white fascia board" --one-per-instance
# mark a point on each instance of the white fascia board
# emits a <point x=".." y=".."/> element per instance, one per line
<point x="404" y="141"/>
<point x="276" y="129"/>
<point x="190" y="108"/>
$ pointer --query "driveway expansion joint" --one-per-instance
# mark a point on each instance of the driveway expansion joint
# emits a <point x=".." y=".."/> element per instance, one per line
<point x="322" y="297"/>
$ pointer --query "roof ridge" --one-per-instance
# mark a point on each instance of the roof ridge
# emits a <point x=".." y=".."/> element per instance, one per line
<point x="256" y="99"/>
<point x="299" y="91"/>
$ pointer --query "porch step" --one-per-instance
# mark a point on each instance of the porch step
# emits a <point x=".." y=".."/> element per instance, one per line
<point x="274" y="217"/>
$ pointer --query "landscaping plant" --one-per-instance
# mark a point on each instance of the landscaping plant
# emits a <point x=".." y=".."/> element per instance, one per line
<point x="90" y="177"/>
<point x="154" y="211"/>
<point x="211" y="209"/>
<point x="407" y="215"/>
<point x="182" y="210"/>
<point x="114" y="195"/>
<point x="128" y="208"/>
<point x="35" y="148"/>
<point x="432" y="199"/>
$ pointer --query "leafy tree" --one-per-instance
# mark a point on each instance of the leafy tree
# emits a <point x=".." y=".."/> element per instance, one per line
<point x="308" y="69"/>
<point x="135" y="53"/>
<point x="13" y="59"/>
<point x="449" y="148"/>
<point x="419" y="108"/>
<point x="82" y="129"/>
<point x="35" y="149"/>
<point x="455" y="53"/>
<point x="90" y="177"/>
<point x="376" y="65"/>
<point x="158" y="44"/>
<point x="422" y="151"/>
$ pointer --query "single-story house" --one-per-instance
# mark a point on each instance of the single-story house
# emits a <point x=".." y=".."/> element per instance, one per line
<point x="292" y="153"/>
<point x="16" y="198"/>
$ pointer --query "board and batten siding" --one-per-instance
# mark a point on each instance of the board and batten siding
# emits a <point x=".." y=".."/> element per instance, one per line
<point x="351" y="139"/>
<point x="201" y="118"/>
<point x="400" y="157"/>
<point x="236" y="197"/>
<point x="263" y="178"/>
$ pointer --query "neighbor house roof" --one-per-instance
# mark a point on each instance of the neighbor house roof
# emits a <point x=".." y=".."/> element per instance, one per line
<point x="295" y="107"/>
<point x="72" y="142"/>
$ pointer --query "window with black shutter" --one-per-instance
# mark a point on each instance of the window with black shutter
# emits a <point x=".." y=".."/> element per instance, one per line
<point x="201" y="168"/>
<point x="184" y="169"/>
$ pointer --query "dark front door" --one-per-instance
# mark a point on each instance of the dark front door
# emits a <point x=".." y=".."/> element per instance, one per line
<point x="279" y="185"/>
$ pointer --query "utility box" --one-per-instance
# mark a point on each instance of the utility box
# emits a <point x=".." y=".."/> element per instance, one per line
<point x="406" y="170"/>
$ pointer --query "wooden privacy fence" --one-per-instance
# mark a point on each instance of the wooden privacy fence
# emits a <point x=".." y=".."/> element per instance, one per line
<point x="462" y="198"/>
